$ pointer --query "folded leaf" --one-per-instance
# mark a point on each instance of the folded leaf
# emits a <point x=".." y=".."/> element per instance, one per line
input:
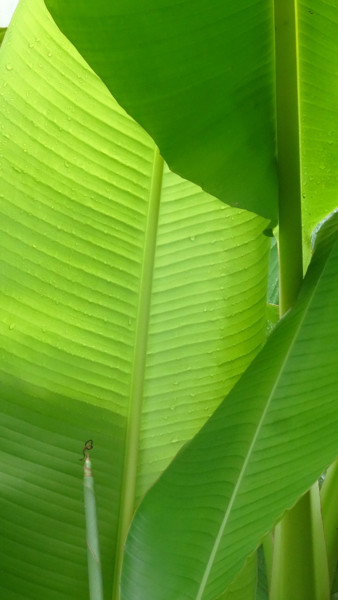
<point x="122" y="309"/>
<point x="199" y="77"/>
<point x="263" y="447"/>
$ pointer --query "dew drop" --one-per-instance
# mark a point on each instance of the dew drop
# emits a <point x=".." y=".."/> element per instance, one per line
<point x="12" y="326"/>
<point x="9" y="67"/>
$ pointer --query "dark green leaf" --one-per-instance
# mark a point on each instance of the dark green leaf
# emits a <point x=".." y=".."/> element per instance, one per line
<point x="199" y="77"/>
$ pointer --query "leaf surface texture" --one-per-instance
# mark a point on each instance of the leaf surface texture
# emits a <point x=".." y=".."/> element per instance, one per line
<point x="122" y="309"/>
<point x="264" y="446"/>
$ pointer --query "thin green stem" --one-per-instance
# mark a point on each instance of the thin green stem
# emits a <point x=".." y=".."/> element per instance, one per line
<point x="93" y="552"/>
<point x="329" y="496"/>
<point x="288" y="151"/>
<point x="127" y="499"/>
<point x="306" y="576"/>
<point x="298" y="536"/>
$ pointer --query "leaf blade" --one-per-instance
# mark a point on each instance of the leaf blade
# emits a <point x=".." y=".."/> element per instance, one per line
<point x="243" y="492"/>
<point x="228" y="65"/>
<point x="76" y="179"/>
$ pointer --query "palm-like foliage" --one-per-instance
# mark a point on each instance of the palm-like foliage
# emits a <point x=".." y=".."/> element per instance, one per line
<point x="132" y="301"/>
<point x="123" y="313"/>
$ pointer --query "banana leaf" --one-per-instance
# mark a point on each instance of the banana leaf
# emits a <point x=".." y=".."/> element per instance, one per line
<point x="123" y="316"/>
<point x="200" y="77"/>
<point x="264" y="447"/>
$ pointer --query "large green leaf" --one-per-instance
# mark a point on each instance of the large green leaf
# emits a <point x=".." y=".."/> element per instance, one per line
<point x="262" y="448"/>
<point x="199" y="77"/>
<point x="123" y="317"/>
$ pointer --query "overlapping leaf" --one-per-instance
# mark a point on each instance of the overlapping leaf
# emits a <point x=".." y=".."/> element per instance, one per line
<point x="122" y="309"/>
<point x="262" y="448"/>
<point x="199" y="77"/>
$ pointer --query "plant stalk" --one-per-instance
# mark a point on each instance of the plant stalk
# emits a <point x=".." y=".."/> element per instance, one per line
<point x="93" y="552"/>
<point x="288" y="152"/>
<point x="329" y="496"/>
<point x="299" y="535"/>
<point x="306" y="575"/>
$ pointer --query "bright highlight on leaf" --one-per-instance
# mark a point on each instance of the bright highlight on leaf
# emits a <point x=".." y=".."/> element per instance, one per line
<point x="84" y="237"/>
<point x="131" y="301"/>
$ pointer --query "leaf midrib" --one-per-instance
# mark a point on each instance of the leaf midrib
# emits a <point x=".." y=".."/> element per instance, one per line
<point x="127" y="497"/>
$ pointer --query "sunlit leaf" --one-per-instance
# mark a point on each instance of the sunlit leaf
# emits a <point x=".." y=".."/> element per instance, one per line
<point x="122" y="312"/>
